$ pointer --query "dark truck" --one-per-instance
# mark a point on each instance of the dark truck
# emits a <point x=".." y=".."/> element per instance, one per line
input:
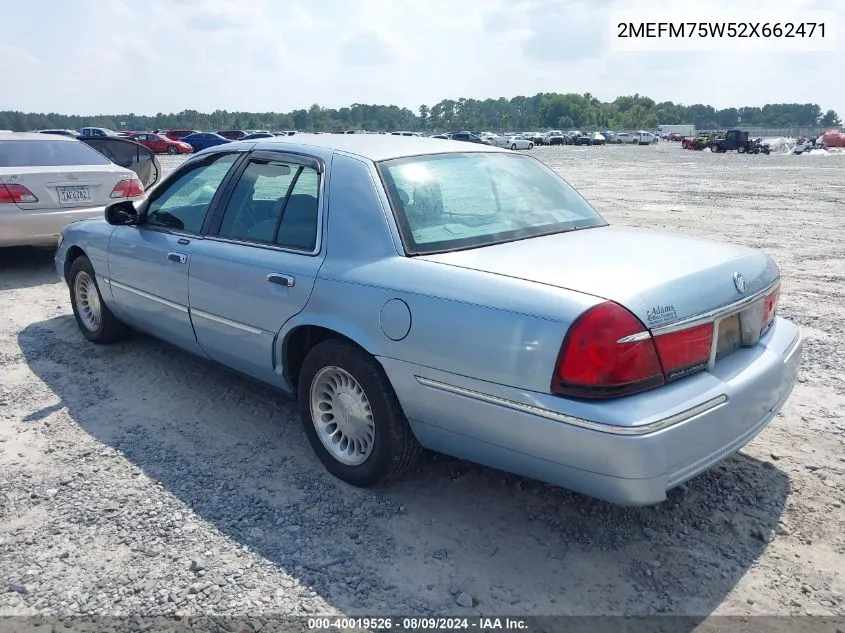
<point x="738" y="140"/>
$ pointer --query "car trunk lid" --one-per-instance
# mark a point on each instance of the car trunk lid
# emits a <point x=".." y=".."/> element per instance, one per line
<point x="662" y="278"/>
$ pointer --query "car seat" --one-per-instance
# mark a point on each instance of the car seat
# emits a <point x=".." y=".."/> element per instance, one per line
<point x="299" y="223"/>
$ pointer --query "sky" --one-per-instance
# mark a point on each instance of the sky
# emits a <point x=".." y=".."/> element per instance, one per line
<point x="147" y="56"/>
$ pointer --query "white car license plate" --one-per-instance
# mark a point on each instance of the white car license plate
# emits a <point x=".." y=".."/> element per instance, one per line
<point x="74" y="194"/>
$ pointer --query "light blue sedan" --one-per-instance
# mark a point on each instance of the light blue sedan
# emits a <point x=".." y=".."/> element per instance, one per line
<point x="415" y="292"/>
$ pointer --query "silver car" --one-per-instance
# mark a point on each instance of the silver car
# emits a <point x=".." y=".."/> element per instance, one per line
<point x="48" y="181"/>
<point x="424" y="293"/>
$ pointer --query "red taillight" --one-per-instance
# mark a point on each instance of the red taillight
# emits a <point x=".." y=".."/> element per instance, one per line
<point x="770" y="307"/>
<point x="607" y="352"/>
<point x="685" y="351"/>
<point x="16" y="193"/>
<point x="129" y="188"/>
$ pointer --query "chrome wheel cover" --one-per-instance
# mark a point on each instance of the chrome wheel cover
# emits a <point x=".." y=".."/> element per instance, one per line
<point x="342" y="416"/>
<point x="87" y="301"/>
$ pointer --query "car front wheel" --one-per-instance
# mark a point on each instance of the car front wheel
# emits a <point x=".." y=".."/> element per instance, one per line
<point x="96" y="322"/>
<point x="351" y="415"/>
<point x="172" y="149"/>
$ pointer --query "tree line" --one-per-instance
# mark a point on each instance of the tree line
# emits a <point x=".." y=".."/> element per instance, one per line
<point x="540" y="112"/>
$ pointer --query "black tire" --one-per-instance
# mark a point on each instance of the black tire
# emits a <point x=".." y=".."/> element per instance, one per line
<point x="172" y="149"/>
<point x="110" y="329"/>
<point x="513" y="146"/>
<point x="740" y="149"/>
<point x="395" y="449"/>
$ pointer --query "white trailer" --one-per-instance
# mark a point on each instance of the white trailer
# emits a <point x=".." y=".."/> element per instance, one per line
<point x="683" y="130"/>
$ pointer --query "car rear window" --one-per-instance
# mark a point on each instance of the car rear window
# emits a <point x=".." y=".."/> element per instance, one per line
<point x="48" y="153"/>
<point x="453" y="201"/>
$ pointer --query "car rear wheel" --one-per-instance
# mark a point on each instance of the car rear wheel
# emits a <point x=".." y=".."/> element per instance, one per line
<point x="351" y="415"/>
<point x="172" y="149"/>
<point x="740" y="149"/>
<point x="513" y="146"/>
<point x="531" y="146"/>
<point x="96" y="322"/>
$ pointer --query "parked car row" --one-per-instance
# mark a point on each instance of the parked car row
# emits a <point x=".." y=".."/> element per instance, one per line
<point x="577" y="137"/>
<point x="175" y="141"/>
<point x="183" y="141"/>
<point x="527" y="140"/>
<point x="509" y="141"/>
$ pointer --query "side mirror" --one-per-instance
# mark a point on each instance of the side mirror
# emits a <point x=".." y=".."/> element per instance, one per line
<point x="121" y="213"/>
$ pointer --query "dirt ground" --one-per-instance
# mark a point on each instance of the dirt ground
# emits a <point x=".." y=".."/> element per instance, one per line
<point x="135" y="479"/>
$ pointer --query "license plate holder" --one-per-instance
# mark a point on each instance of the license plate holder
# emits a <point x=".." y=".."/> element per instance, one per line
<point x="729" y="335"/>
<point x="74" y="194"/>
<point x="751" y="321"/>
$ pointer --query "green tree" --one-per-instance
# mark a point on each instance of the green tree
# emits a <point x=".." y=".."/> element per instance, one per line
<point x="830" y="119"/>
<point x="540" y="111"/>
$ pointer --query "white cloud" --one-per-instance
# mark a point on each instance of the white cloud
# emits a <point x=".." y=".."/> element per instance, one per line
<point x="148" y="56"/>
<point x="14" y="57"/>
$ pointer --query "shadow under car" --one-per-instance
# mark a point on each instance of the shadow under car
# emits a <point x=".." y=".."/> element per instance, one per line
<point x="235" y="453"/>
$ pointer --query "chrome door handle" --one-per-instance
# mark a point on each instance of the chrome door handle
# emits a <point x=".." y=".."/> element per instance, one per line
<point x="179" y="258"/>
<point x="281" y="279"/>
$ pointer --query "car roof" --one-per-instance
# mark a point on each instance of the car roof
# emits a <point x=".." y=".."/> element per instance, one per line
<point x="375" y="147"/>
<point x="35" y="136"/>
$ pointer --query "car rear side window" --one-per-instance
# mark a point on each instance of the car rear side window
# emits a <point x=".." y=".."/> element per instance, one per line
<point x="48" y="153"/>
<point x="446" y="202"/>
<point x="182" y="206"/>
<point x="274" y="202"/>
<point x="298" y="227"/>
<point x="257" y="200"/>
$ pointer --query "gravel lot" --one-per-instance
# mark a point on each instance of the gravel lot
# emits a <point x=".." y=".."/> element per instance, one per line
<point x="135" y="479"/>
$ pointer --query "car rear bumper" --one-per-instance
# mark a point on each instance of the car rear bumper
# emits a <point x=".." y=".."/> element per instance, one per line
<point x="673" y="433"/>
<point x="20" y="227"/>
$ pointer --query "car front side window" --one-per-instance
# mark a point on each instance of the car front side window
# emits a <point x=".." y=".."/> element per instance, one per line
<point x="185" y="202"/>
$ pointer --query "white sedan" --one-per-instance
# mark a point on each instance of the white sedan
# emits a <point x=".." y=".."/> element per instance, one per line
<point x="48" y="181"/>
<point x="516" y="141"/>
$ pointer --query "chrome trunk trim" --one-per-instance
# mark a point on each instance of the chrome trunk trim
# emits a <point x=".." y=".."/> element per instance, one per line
<point x="716" y="313"/>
